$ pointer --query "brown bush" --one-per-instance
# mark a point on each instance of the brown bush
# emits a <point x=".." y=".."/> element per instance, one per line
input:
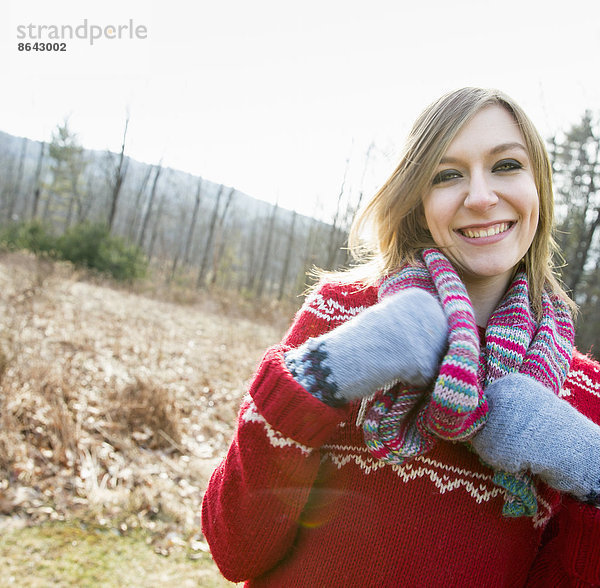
<point x="149" y="412"/>
<point x="36" y="421"/>
<point x="4" y="361"/>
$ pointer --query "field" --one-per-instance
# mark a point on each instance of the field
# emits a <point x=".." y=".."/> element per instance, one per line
<point x="115" y="406"/>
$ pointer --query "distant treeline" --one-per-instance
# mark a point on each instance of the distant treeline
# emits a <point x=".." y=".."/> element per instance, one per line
<point x="198" y="231"/>
<point x="207" y="234"/>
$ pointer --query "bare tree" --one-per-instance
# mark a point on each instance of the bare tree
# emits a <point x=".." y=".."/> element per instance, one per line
<point x="288" y="257"/>
<point x="362" y="177"/>
<point x="209" y="239"/>
<point x="148" y="211"/>
<point x="310" y="258"/>
<point x="7" y="175"/>
<point x="17" y="187"/>
<point x="117" y="176"/>
<point x="84" y="207"/>
<point x="251" y="256"/>
<point x="576" y="162"/>
<point x="260" y="286"/>
<point x="156" y="225"/>
<point x="133" y="217"/>
<point x="192" y="227"/>
<point x="37" y="187"/>
<point x="220" y="241"/>
<point x="183" y="213"/>
<point x="334" y="245"/>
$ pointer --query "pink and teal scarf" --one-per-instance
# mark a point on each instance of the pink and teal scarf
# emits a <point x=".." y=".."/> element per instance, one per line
<point x="404" y="422"/>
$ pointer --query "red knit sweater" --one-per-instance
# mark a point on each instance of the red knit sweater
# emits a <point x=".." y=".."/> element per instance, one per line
<point x="300" y="501"/>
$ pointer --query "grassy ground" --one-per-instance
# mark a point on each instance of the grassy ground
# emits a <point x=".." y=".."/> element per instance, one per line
<point x="69" y="554"/>
<point x="115" y="407"/>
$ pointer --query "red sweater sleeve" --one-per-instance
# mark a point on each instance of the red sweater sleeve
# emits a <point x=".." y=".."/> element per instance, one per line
<point x="571" y="556"/>
<point x="252" y="505"/>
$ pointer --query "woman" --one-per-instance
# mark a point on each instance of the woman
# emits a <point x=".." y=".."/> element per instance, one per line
<point x="408" y="431"/>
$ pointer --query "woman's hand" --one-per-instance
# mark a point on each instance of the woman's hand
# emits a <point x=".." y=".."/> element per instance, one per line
<point x="401" y="338"/>
<point x="531" y="429"/>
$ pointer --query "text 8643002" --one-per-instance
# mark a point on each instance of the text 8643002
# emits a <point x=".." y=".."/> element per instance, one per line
<point x="42" y="46"/>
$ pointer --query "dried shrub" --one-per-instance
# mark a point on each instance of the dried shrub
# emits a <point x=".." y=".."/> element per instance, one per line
<point x="148" y="413"/>
<point x="62" y="424"/>
<point x="4" y="363"/>
<point x="36" y="421"/>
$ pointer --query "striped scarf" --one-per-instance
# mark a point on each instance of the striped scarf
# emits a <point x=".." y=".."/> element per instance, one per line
<point x="403" y="422"/>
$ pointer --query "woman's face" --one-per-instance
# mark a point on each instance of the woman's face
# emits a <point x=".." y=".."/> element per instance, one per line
<point x="483" y="206"/>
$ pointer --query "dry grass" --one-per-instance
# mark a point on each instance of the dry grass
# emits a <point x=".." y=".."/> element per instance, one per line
<point x="148" y="412"/>
<point x="115" y="406"/>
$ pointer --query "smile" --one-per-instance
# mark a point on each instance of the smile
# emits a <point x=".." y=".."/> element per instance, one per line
<point x="478" y="233"/>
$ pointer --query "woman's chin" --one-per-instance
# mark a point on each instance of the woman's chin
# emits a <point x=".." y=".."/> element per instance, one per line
<point x="485" y="270"/>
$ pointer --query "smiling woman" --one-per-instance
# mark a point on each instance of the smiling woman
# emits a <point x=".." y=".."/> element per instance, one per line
<point x="482" y="208"/>
<point x="409" y="430"/>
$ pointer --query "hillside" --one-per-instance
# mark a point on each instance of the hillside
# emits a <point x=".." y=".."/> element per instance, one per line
<point x="187" y="222"/>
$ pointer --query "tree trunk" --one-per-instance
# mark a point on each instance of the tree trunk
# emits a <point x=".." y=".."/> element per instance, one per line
<point x="252" y="254"/>
<point x="288" y="257"/>
<point x="209" y="240"/>
<point x="260" y="287"/>
<point x="192" y="227"/>
<point x="333" y="246"/>
<point x="17" y="188"/>
<point x="149" y="207"/>
<point x="220" y="241"/>
<point x="133" y="217"/>
<point x="156" y="225"/>
<point x="119" y="176"/>
<point x="37" y="188"/>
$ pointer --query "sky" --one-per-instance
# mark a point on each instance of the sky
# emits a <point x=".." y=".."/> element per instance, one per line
<point x="279" y="99"/>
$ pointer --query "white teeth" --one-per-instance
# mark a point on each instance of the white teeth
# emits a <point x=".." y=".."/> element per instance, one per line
<point x="488" y="232"/>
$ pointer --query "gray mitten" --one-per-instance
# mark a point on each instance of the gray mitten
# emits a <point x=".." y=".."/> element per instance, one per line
<point x="399" y="339"/>
<point x="531" y="429"/>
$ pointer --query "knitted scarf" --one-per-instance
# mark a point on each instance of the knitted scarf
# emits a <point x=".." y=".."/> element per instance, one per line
<point x="404" y="422"/>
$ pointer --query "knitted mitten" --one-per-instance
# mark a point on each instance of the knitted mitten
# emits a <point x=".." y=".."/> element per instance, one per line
<point x="401" y="338"/>
<point x="530" y="428"/>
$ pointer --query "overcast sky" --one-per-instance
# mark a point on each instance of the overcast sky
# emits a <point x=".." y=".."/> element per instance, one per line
<point x="273" y="97"/>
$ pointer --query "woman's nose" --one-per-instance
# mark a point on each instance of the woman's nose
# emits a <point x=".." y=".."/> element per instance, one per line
<point x="481" y="195"/>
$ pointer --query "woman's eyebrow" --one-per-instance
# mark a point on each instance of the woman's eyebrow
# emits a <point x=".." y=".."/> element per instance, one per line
<point x="507" y="147"/>
<point x="493" y="151"/>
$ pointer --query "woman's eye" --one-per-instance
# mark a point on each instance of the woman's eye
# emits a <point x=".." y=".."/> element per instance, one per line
<point x="445" y="176"/>
<point x="507" y="165"/>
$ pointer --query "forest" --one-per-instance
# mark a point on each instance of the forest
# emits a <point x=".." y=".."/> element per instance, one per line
<point x="189" y="230"/>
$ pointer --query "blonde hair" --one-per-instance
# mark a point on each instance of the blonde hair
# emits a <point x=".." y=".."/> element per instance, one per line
<point x="395" y="213"/>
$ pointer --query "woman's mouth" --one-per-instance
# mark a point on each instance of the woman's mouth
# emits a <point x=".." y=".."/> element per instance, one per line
<point x="475" y="232"/>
